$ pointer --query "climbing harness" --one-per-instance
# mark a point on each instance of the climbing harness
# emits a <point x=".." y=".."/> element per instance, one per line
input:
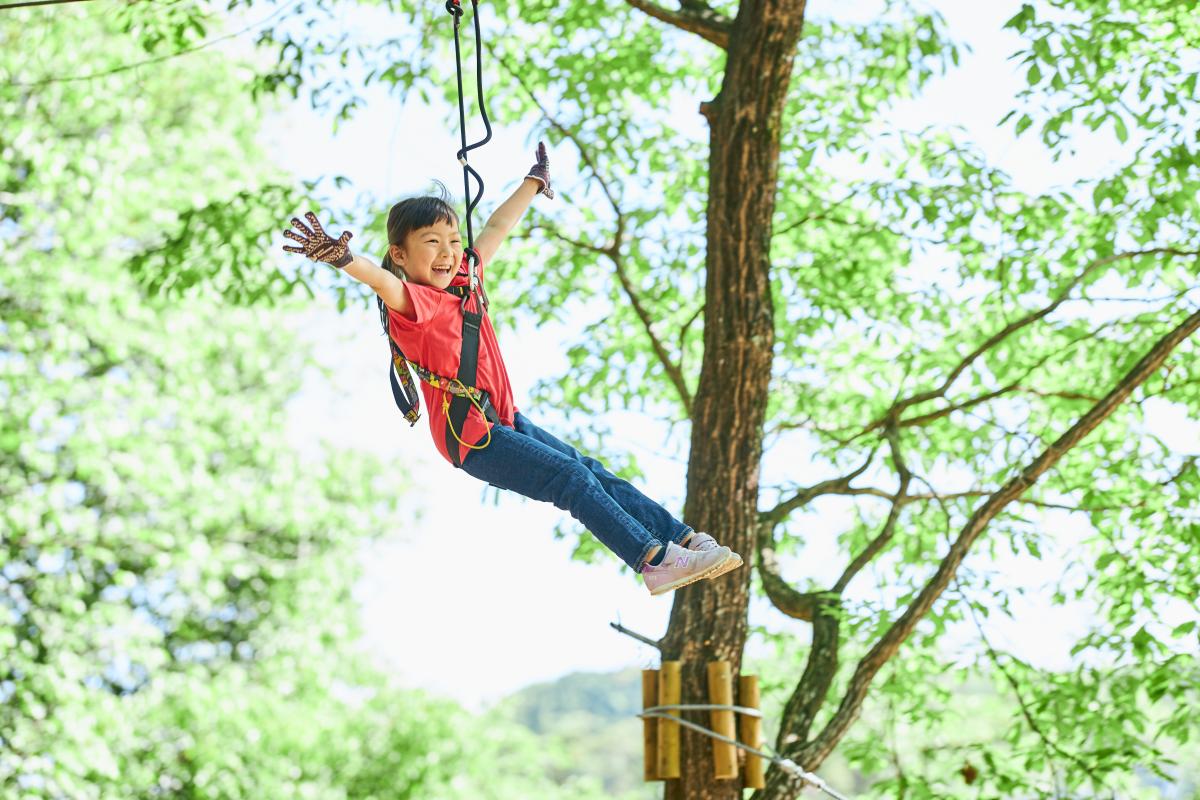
<point x="786" y="764"/>
<point x="404" y="390"/>
<point x="461" y="393"/>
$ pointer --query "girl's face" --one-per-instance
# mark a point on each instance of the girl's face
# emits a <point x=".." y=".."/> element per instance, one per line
<point x="430" y="255"/>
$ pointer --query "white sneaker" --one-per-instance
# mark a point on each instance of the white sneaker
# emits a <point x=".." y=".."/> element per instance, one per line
<point x="701" y="542"/>
<point x="682" y="566"/>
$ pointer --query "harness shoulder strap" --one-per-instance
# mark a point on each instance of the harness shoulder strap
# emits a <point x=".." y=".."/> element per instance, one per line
<point x="466" y="393"/>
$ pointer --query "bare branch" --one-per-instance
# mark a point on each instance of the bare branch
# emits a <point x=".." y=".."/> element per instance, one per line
<point x="576" y="243"/>
<point x="660" y="350"/>
<point x="693" y="16"/>
<point x="643" y="639"/>
<point x="883" y="650"/>
<point x="785" y="597"/>
<point x="683" y="331"/>
<point x="1015" y="386"/>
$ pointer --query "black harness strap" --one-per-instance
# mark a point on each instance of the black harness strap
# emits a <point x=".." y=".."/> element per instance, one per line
<point x="465" y="393"/>
<point x="467" y="366"/>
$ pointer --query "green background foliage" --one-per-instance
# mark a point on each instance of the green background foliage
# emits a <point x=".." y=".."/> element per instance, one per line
<point x="175" y="612"/>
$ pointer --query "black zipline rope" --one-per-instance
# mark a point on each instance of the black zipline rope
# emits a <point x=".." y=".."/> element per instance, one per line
<point x="456" y="11"/>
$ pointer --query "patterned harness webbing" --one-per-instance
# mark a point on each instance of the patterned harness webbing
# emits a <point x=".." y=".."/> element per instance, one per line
<point x="404" y="388"/>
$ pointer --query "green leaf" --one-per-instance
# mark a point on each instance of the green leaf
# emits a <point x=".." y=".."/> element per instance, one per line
<point x="1120" y="129"/>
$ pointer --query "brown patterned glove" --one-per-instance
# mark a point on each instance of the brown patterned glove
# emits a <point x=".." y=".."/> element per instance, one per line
<point x="540" y="171"/>
<point x="317" y="245"/>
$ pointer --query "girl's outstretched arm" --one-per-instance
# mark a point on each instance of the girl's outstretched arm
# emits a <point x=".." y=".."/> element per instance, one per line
<point x="511" y="210"/>
<point x="317" y="245"/>
<point x="390" y="289"/>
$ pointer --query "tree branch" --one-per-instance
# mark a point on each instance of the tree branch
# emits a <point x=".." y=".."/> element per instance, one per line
<point x="889" y="527"/>
<point x="784" y="596"/>
<point x="693" y="16"/>
<point x="1016" y="325"/>
<point x="613" y="251"/>
<point x="568" y="133"/>
<point x="994" y="657"/>
<point x="808" y="698"/>
<point x="818" y="749"/>
<point x="633" y="634"/>
<point x="660" y="350"/>
<point x="807" y="495"/>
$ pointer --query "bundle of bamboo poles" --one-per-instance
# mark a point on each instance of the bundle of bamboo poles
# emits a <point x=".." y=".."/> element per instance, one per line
<point x="662" y="687"/>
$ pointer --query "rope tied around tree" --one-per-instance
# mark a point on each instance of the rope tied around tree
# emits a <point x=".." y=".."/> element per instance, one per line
<point x="786" y="764"/>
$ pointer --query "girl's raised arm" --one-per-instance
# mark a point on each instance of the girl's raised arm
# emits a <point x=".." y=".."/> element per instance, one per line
<point x="511" y="210"/>
<point x="317" y="245"/>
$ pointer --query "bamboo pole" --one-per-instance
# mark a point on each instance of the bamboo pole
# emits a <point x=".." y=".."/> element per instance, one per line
<point x="649" y="728"/>
<point x="720" y="692"/>
<point x="669" y="688"/>
<point x="751" y="732"/>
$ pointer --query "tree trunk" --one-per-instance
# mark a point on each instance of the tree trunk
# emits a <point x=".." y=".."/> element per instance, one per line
<point x="709" y="618"/>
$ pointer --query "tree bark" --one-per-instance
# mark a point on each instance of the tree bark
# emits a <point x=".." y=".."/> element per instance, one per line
<point x="709" y="618"/>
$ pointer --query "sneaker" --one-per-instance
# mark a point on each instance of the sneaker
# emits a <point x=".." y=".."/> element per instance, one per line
<point x="682" y="566"/>
<point x="702" y="542"/>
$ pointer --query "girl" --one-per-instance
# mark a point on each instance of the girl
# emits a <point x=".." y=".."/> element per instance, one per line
<point x="424" y="274"/>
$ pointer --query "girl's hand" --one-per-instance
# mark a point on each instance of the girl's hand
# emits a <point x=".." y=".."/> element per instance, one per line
<point x="540" y="171"/>
<point x="317" y="245"/>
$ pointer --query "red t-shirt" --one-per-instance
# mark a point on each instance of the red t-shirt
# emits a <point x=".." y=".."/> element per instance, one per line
<point x="433" y="339"/>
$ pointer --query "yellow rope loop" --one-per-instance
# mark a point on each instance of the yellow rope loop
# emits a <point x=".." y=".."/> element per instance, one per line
<point x="470" y="396"/>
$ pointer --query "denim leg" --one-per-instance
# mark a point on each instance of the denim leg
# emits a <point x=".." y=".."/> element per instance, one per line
<point x="649" y="513"/>
<point x="528" y="467"/>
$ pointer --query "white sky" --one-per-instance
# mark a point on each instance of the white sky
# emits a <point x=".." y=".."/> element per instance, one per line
<point x="473" y="599"/>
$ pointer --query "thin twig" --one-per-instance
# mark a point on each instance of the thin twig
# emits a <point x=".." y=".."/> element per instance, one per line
<point x="994" y="657"/>
<point x="643" y="639"/>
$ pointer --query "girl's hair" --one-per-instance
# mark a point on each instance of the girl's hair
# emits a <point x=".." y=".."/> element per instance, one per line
<point x="411" y="214"/>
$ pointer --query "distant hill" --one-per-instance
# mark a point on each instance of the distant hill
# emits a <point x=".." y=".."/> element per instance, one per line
<point x="593" y="716"/>
<point x="607" y="696"/>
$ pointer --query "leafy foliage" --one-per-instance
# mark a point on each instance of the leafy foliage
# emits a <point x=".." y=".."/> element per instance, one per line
<point x="927" y="307"/>
<point x="175" y="610"/>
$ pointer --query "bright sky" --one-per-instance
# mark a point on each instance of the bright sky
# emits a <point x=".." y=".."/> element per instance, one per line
<point x="473" y="598"/>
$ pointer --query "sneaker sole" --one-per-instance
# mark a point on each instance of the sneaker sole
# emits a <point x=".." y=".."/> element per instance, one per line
<point x="733" y="563"/>
<point x="699" y="576"/>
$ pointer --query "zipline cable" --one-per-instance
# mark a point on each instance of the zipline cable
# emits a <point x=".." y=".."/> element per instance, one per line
<point x="4" y="6"/>
<point x="158" y="59"/>
<point x="786" y="764"/>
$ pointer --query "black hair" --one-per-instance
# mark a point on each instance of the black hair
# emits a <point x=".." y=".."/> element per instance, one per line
<point x="414" y="213"/>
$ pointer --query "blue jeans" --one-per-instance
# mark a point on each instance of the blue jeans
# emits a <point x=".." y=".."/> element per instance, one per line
<point x="533" y="463"/>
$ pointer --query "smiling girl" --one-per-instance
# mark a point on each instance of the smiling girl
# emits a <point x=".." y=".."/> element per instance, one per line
<point x="426" y="288"/>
